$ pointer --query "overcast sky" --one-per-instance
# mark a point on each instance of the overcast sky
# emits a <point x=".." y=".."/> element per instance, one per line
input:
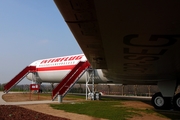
<point x="31" y="30"/>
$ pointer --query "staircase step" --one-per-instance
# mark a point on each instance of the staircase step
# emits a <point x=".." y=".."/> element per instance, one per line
<point x="67" y="83"/>
<point x="18" y="78"/>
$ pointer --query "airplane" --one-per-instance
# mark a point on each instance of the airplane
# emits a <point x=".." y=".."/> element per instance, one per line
<point x="126" y="42"/>
<point x="134" y="42"/>
<point x="53" y="70"/>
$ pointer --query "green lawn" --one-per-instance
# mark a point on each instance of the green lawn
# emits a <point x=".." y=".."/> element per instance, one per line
<point x="97" y="109"/>
<point x="106" y="108"/>
<point x="109" y="108"/>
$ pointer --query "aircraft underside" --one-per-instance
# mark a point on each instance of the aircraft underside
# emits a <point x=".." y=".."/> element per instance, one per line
<point x="137" y="42"/>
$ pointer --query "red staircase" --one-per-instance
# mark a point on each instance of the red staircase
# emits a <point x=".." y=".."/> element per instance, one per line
<point x="72" y="77"/>
<point x="19" y="77"/>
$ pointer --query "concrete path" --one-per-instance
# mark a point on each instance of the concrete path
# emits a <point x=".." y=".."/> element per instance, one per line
<point x="1" y="100"/>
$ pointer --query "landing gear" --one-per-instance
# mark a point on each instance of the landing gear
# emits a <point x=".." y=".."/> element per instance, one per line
<point x="166" y="99"/>
<point x="160" y="102"/>
<point x="166" y="103"/>
<point x="176" y="102"/>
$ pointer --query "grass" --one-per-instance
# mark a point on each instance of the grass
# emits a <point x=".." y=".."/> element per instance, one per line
<point x="98" y="109"/>
<point x="109" y="108"/>
<point x="106" y="108"/>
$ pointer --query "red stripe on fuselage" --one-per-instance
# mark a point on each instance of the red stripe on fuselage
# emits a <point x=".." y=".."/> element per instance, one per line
<point x="69" y="67"/>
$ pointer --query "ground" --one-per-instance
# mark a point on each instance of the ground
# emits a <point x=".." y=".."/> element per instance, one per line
<point x="50" y="113"/>
<point x="12" y="112"/>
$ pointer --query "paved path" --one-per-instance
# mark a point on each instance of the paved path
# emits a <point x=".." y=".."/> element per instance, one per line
<point x="1" y="100"/>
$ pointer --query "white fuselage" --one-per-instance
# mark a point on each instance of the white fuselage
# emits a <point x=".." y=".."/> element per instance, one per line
<point x="53" y="70"/>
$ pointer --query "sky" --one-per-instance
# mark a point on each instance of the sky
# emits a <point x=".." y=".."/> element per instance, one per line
<point x="31" y="30"/>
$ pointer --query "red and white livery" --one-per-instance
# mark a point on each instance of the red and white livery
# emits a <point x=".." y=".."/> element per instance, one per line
<point x="53" y="70"/>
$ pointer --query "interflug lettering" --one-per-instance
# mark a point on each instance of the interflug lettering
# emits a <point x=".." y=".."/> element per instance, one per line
<point x="62" y="59"/>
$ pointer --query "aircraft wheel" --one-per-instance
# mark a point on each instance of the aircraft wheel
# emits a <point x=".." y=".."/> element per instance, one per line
<point x="160" y="102"/>
<point x="176" y="102"/>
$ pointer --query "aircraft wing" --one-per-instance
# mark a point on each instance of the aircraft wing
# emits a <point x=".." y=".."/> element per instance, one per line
<point x="135" y="42"/>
